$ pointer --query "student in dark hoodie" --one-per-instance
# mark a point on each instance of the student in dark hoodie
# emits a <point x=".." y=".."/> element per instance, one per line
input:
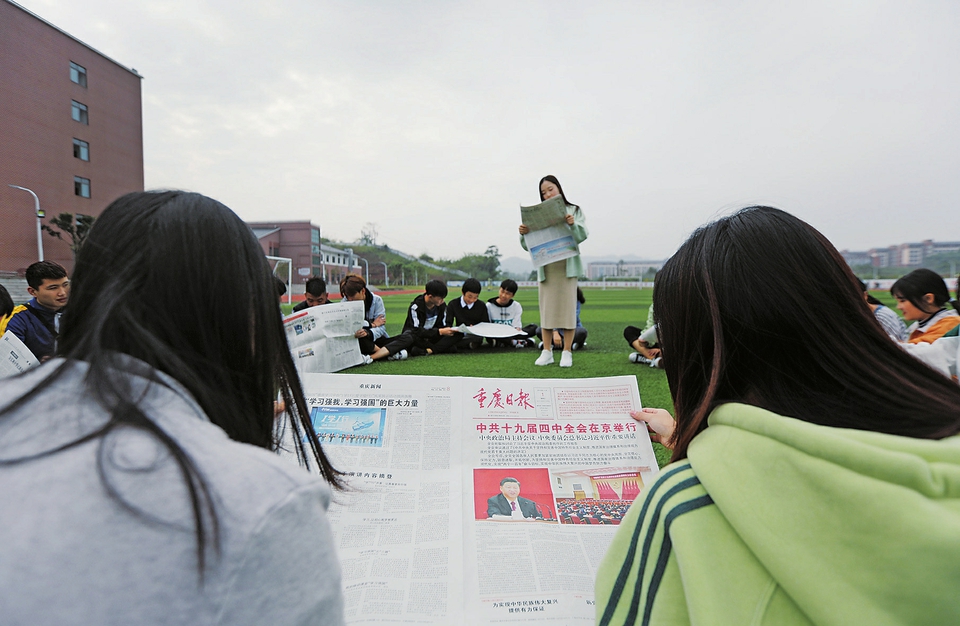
<point x="424" y="331"/>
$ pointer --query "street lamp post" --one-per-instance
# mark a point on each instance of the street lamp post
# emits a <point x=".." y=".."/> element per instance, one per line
<point x="40" y="215"/>
<point x="386" y="277"/>
<point x="367" y="266"/>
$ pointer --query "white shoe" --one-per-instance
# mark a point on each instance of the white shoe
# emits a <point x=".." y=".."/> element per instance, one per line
<point x="566" y="359"/>
<point x="399" y="356"/>
<point x="545" y="358"/>
<point x="366" y="359"/>
<point x="636" y="357"/>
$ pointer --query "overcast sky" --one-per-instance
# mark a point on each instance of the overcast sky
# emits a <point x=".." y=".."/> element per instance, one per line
<point x="435" y="120"/>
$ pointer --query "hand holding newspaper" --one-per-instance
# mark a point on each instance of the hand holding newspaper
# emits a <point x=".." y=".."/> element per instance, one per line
<point x="16" y="357"/>
<point x="550" y="238"/>
<point x="321" y="338"/>
<point x="477" y="500"/>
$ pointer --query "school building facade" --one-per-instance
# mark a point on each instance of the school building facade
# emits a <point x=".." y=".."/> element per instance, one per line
<point x="300" y="242"/>
<point x="902" y="255"/>
<point x="72" y="133"/>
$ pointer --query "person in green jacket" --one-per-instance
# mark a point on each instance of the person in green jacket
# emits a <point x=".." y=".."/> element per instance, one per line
<point x="810" y="483"/>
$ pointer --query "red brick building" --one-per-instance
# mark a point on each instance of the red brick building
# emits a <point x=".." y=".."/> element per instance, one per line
<point x="71" y="130"/>
<point x="300" y="242"/>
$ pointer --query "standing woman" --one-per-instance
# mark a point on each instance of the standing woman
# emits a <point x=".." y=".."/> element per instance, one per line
<point x="558" y="281"/>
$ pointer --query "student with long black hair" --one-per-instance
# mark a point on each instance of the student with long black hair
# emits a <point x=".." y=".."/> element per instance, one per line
<point x="139" y="470"/>
<point x="810" y="484"/>
<point x="923" y="298"/>
<point x="558" y="281"/>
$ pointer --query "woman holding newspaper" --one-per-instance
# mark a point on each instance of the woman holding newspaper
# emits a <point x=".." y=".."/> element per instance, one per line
<point x="558" y="281"/>
<point x="810" y="484"/>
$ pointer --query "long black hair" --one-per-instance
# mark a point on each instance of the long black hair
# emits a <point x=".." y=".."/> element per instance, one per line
<point x="177" y="281"/>
<point x="553" y="179"/>
<point x="741" y="309"/>
<point x="918" y="283"/>
<point x="6" y="302"/>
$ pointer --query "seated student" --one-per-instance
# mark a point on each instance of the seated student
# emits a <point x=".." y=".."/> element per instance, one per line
<point x="644" y="342"/>
<point x="373" y="333"/>
<point x="942" y="355"/>
<point x="315" y="294"/>
<point x="923" y="298"/>
<point x="503" y="309"/>
<point x="143" y="463"/>
<point x="6" y="309"/>
<point x="467" y="311"/>
<point x="37" y="323"/>
<point x="579" y="333"/>
<point x="802" y="477"/>
<point x="423" y="330"/>
<point x="889" y="320"/>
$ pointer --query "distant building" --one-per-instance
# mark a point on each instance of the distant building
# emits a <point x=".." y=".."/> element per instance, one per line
<point x="71" y="129"/>
<point x="300" y="241"/>
<point x="902" y="255"/>
<point x="621" y="269"/>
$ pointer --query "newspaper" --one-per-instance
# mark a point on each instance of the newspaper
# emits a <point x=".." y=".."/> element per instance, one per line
<point x="425" y="533"/>
<point x="321" y="338"/>
<point x="16" y="357"/>
<point x="550" y="238"/>
<point x="489" y="329"/>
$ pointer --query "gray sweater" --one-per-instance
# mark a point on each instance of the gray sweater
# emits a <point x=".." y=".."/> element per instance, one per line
<point x="69" y="554"/>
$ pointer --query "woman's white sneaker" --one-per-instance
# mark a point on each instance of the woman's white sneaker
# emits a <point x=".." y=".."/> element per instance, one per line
<point x="545" y="358"/>
<point x="566" y="359"/>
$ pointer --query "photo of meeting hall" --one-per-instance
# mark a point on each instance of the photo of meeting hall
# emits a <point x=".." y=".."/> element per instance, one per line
<point x="597" y="496"/>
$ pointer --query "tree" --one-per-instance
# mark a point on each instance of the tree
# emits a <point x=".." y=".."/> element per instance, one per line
<point x="484" y="266"/>
<point x="369" y="234"/>
<point x="76" y="227"/>
<point x="943" y="263"/>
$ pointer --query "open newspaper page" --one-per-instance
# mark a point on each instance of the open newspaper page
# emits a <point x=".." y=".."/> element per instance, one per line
<point x="431" y="533"/>
<point x="15" y="357"/>
<point x="321" y="338"/>
<point x="491" y="330"/>
<point x="550" y="238"/>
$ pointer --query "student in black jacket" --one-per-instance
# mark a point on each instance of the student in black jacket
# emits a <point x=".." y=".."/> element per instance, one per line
<point x="424" y="331"/>
<point x="467" y="310"/>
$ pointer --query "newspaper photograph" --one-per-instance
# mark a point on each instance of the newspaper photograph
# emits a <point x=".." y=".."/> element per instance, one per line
<point x="321" y="338"/>
<point x="550" y="238"/>
<point x="454" y="481"/>
<point x="16" y="357"/>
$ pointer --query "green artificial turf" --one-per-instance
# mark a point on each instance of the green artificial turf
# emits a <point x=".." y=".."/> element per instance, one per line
<point x="605" y="315"/>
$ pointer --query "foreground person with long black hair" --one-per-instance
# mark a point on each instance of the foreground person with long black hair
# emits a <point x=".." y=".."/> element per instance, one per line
<point x="812" y="482"/>
<point x="138" y="473"/>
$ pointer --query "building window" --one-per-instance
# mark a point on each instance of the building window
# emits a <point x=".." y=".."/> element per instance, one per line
<point x="78" y="74"/>
<point x="79" y="112"/>
<point x="81" y="186"/>
<point x="81" y="150"/>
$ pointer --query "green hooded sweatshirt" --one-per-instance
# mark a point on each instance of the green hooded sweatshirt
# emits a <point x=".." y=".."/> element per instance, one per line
<point x="772" y="520"/>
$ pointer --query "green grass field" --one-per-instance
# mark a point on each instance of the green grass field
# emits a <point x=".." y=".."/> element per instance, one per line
<point x="605" y="315"/>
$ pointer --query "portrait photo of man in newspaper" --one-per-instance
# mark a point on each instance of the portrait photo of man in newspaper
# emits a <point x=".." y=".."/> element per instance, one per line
<point x="497" y="495"/>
